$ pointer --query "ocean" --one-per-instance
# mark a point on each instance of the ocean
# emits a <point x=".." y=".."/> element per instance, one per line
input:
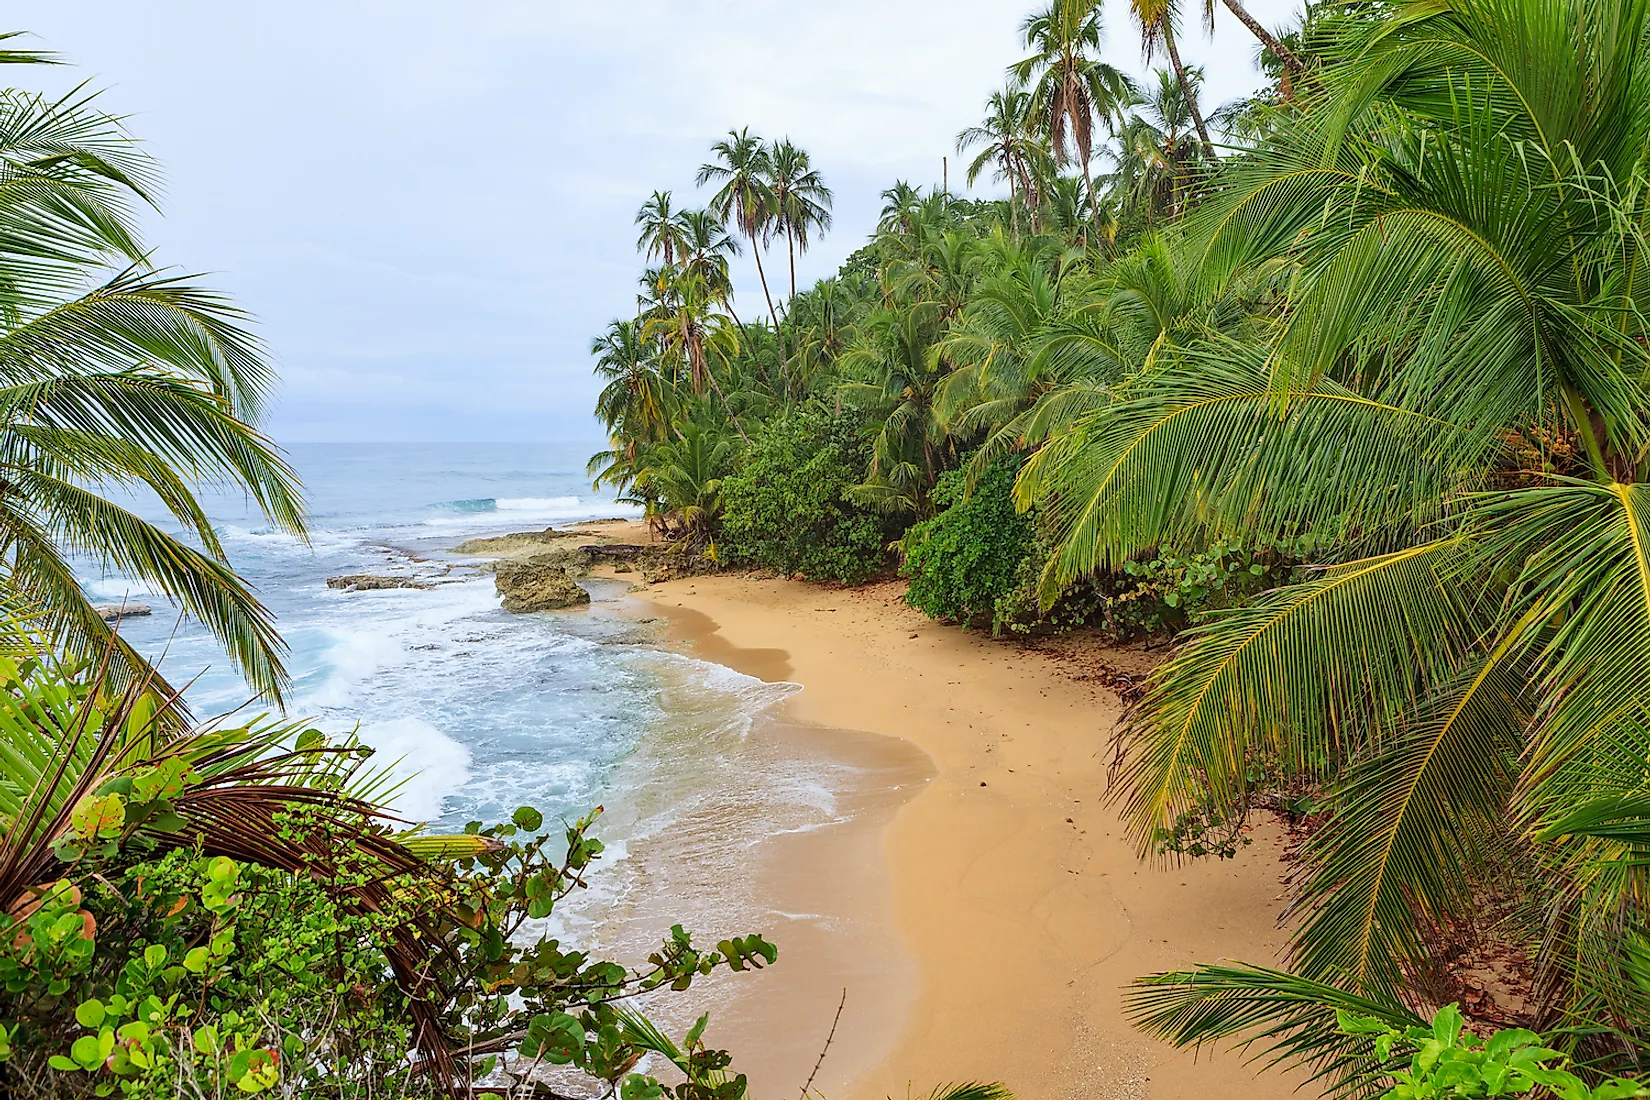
<point x="479" y="710"/>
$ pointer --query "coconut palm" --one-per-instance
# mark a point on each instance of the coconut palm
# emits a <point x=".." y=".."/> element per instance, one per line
<point x="636" y="402"/>
<point x="1071" y="90"/>
<point x="1156" y="20"/>
<point x="115" y="374"/>
<point x="744" y="198"/>
<point x="899" y="204"/>
<point x="1008" y="147"/>
<point x="1157" y="149"/>
<point x="801" y="201"/>
<point x="1453" y="415"/>
<point x="662" y="232"/>
<point x="706" y="246"/>
<point x="679" y="482"/>
<point x="894" y="374"/>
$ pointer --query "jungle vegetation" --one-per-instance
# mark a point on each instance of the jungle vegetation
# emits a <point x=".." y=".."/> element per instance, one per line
<point x="1341" y="386"/>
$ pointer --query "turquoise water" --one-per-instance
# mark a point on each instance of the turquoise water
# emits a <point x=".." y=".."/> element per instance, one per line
<point x="485" y="710"/>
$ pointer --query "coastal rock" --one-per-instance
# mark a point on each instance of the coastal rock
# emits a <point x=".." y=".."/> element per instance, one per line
<point x="114" y="612"/>
<point x="369" y="582"/>
<point x="618" y="551"/>
<point x="529" y="587"/>
<point x="571" y="560"/>
<point x="519" y="543"/>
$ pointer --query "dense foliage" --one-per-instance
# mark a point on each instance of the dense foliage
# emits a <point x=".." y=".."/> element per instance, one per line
<point x="787" y="508"/>
<point x="966" y="561"/>
<point x="1343" y="386"/>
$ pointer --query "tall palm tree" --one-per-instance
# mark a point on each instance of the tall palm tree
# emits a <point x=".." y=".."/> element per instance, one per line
<point x="899" y="203"/>
<point x="662" y="232"/>
<point x="1008" y="146"/>
<point x="1157" y="148"/>
<point x="1269" y="41"/>
<point x="744" y="198"/>
<point x="801" y="201"/>
<point x="114" y="373"/>
<point x="1070" y="88"/>
<point x="1156" y="20"/>
<point x="1453" y="413"/>
<point x="706" y="246"/>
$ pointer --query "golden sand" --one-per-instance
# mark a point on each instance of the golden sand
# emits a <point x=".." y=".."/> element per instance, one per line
<point x="1023" y="910"/>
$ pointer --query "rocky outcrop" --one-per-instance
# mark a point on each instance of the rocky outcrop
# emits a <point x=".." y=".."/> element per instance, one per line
<point x="571" y="560"/>
<point x="527" y="586"/>
<point x="369" y="582"/>
<point x="114" y="612"/>
<point x="614" y="551"/>
<point x="518" y="544"/>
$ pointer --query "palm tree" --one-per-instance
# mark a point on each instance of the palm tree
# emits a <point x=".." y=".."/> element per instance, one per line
<point x="1452" y="416"/>
<point x="899" y="203"/>
<point x="113" y="373"/>
<point x="1156" y="20"/>
<point x="744" y="199"/>
<point x="635" y="405"/>
<point x="1068" y="86"/>
<point x="1157" y="147"/>
<point x="706" y="246"/>
<point x="662" y="234"/>
<point x="1268" y="40"/>
<point x="1008" y="146"/>
<point x="801" y="201"/>
<point x="680" y="484"/>
<point x="894" y="373"/>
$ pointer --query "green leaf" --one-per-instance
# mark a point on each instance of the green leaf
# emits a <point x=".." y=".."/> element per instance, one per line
<point x="90" y="1013"/>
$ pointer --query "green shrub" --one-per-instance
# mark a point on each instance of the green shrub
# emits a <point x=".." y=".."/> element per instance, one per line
<point x="785" y="508"/>
<point x="1160" y="594"/>
<point x="967" y="559"/>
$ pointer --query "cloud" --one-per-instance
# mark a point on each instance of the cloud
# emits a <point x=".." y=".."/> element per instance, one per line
<point x="429" y="204"/>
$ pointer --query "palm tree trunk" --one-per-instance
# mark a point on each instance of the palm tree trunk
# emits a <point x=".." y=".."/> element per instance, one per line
<point x="1186" y="90"/>
<point x="1274" y="47"/>
<point x="756" y="254"/>
<point x="790" y="244"/>
<point x="1088" y="195"/>
<point x="1013" y="205"/>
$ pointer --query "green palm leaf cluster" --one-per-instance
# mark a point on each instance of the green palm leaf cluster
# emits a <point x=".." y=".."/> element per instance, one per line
<point x="113" y="373"/>
<point x="1443" y="397"/>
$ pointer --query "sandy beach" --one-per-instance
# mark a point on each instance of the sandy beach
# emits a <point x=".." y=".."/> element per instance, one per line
<point x="1008" y="885"/>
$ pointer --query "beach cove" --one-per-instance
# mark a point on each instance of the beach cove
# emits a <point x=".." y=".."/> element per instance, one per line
<point x="1007" y="884"/>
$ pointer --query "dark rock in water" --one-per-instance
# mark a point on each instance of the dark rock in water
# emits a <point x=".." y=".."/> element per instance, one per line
<point x="114" y="612"/>
<point x="369" y="582"/>
<point x="529" y="586"/>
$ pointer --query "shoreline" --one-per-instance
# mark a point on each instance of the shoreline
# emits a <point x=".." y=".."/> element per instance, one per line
<point x="1010" y="890"/>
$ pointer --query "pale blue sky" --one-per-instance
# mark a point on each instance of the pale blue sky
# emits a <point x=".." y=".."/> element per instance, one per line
<point x="428" y="205"/>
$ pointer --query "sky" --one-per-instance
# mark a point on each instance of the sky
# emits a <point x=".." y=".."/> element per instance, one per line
<point x="428" y="206"/>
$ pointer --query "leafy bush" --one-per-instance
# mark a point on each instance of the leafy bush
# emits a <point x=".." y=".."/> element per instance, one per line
<point x="1448" y="1060"/>
<point x="1162" y="594"/>
<point x="979" y="561"/>
<point x="967" y="559"/>
<point x="225" y="912"/>
<point x="786" y="509"/>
